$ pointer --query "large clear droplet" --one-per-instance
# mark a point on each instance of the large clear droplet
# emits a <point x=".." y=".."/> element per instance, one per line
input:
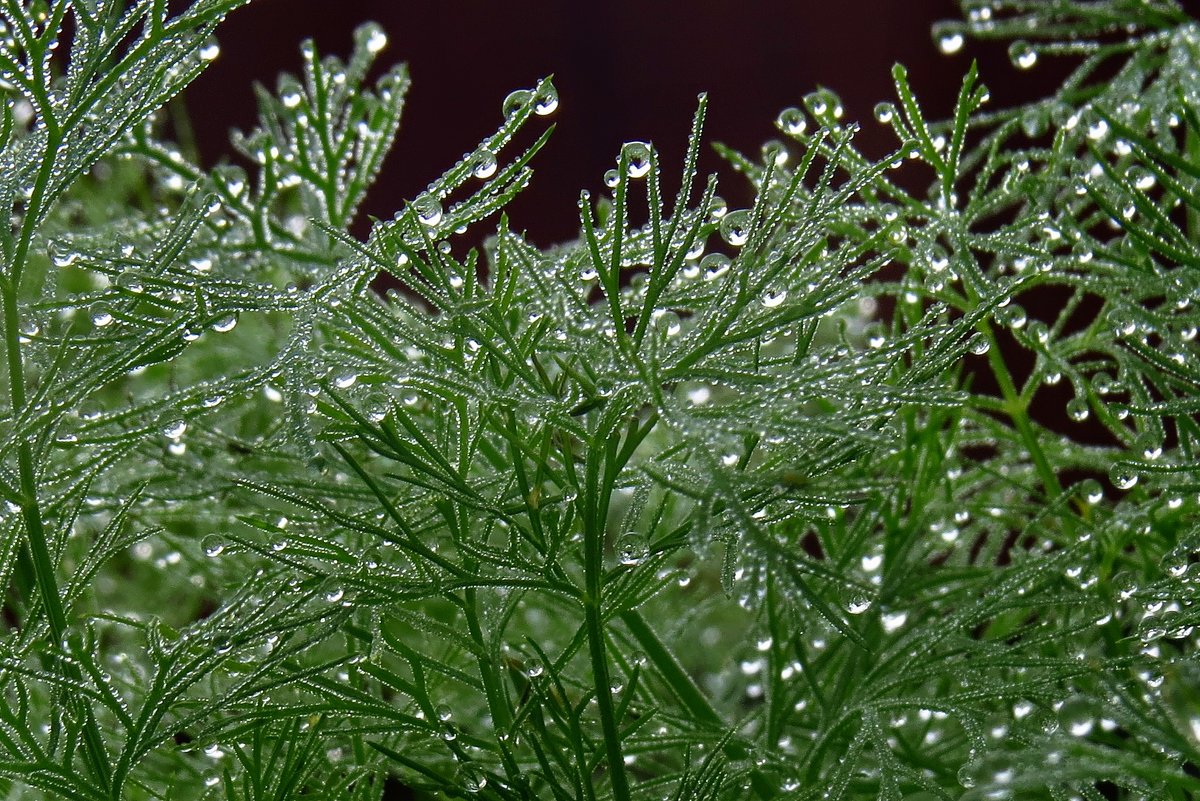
<point x="174" y="429"/>
<point x="637" y="157"/>
<point x="773" y="297"/>
<point x="428" y="209"/>
<point x="516" y="101"/>
<point x="1022" y="55"/>
<point x="735" y="227"/>
<point x="375" y="39"/>
<point x="950" y="42"/>
<point x="979" y="344"/>
<point x="483" y="164"/>
<point x="62" y="255"/>
<point x="471" y="779"/>
<point x="547" y="101"/>
<point x="1091" y="491"/>
<point x="225" y="324"/>
<point x="791" y="121"/>
<point x="714" y="265"/>
<point x="1077" y="716"/>
<point x="101" y="316"/>
<point x="210" y="51"/>
<point x="858" y="604"/>
<point x="1077" y="409"/>
<point x="631" y="550"/>
<point x="213" y="545"/>
<point x="1123" y="476"/>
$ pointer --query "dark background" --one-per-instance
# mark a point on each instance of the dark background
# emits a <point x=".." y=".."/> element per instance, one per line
<point x="624" y="69"/>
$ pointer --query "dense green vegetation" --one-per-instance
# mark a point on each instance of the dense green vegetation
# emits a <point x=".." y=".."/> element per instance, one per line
<point x="772" y="502"/>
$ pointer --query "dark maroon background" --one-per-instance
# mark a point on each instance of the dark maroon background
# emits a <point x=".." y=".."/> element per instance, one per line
<point x="624" y="70"/>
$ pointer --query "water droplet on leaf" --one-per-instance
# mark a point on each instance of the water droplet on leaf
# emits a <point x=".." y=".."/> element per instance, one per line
<point x="637" y="157"/>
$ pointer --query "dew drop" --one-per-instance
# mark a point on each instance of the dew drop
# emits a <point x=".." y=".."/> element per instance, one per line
<point x="1142" y="178"/>
<point x="61" y="256"/>
<point x="1022" y="55"/>
<point x="668" y="322"/>
<point x="950" y="42"/>
<point x="213" y="545"/>
<point x="884" y="112"/>
<point x="129" y="280"/>
<point x="376" y="40"/>
<point x="1123" y="476"/>
<point x="714" y="265"/>
<point x="1098" y="130"/>
<point x="483" y="165"/>
<point x="717" y="208"/>
<point x="772" y="298"/>
<point x="471" y="779"/>
<point x="979" y="344"/>
<point x="428" y="209"/>
<point x="631" y="550"/>
<point x="225" y="324"/>
<point x="174" y="429"/>
<point x="345" y="380"/>
<point x="377" y="407"/>
<point x="735" y="227"/>
<point x="791" y="121"/>
<point x="1077" y="409"/>
<point x="1076" y="716"/>
<point x="516" y="101"/>
<point x="101" y="316"/>
<point x="1091" y="491"/>
<point x="547" y="101"/>
<point x="858" y="605"/>
<point x="637" y="157"/>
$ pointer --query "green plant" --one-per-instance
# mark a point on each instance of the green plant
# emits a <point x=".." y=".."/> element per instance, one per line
<point x="756" y="503"/>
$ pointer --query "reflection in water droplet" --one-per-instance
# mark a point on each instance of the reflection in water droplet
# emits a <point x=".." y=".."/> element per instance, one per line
<point x="428" y="209"/>
<point x="484" y="164"/>
<point x="950" y="42"/>
<point x="773" y="297"/>
<point x="1123" y="477"/>
<point x="174" y="429"/>
<point x="213" y="545"/>
<point x="1023" y="55"/>
<point x="858" y="605"/>
<point x="791" y="121"/>
<point x="637" y="157"/>
<point x="735" y="227"/>
<point x="547" y="101"/>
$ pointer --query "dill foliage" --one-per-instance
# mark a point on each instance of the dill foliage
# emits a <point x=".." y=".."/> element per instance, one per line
<point x="860" y="492"/>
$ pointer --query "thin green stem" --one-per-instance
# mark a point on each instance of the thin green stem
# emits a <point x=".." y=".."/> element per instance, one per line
<point x="1018" y="412"/>
<point x="596" y="500"/>
<point x="31" y="511"/>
